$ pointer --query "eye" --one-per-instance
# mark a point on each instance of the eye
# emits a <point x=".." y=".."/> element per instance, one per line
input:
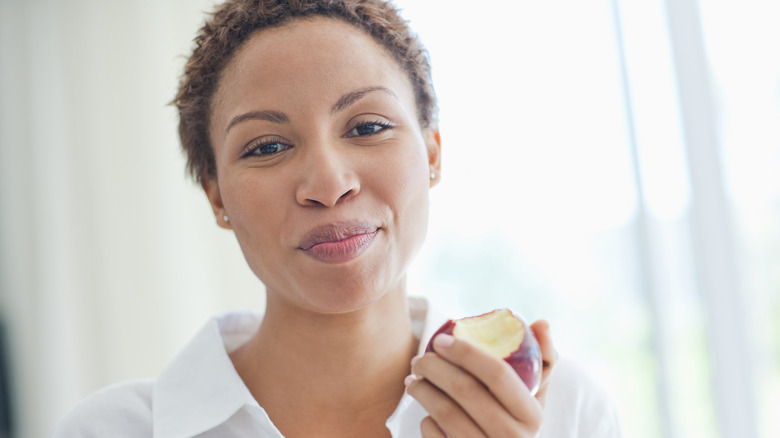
<point x="368" y="128"/>
<point x="265" y="148"/>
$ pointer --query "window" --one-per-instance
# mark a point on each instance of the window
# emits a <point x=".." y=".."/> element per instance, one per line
<point x="578" y="188"/>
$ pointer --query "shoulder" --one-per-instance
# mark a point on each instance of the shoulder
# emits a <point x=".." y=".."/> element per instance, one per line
<point x="577" y="406"/>
<point x="120" y="410"/>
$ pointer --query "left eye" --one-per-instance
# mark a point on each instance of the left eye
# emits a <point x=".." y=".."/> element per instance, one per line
<point x="368" y="129"/>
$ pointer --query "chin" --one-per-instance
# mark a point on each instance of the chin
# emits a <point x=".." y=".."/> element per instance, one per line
<point x="340" y="294"/>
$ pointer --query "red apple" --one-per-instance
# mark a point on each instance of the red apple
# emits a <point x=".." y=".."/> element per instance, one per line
<point x="505" y="335"/>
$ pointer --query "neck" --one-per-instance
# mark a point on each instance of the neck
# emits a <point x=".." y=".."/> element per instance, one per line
<point x="319" y="372"/>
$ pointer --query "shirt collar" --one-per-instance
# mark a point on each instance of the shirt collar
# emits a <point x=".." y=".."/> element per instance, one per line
<point x="425" y="320"/>
<point x="201" y="389"/>
<point x="406" y="419"/>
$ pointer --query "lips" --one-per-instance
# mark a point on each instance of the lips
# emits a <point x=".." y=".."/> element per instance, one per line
<point x="338" y="243"/>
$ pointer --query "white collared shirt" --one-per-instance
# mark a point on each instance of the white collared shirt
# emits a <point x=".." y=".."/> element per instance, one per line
<point x="200" y="394"/>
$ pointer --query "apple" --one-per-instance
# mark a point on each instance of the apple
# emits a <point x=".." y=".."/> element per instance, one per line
<point x="503" y="334"/>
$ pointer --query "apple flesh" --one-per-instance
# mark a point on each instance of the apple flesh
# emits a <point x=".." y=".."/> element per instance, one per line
<point x="503" y="334"/>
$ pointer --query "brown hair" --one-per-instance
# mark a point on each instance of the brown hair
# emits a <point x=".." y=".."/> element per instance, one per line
<point x="234" y="21"/>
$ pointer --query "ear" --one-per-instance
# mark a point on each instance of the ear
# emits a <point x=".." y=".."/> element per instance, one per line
<point x="433" y="146"/>
<point x="211" y="187"/>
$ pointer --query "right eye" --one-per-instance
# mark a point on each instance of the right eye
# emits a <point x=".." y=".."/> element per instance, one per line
<point x="265" y="148"/>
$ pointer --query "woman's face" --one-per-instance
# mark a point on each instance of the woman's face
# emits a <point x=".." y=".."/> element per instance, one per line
<point x="322" y="167"/>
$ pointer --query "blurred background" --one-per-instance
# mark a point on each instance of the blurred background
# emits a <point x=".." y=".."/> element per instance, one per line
<point x="609" y="165"/>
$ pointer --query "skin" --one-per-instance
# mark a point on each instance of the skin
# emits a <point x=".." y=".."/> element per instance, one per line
<point x="315" y="124"/>
<point x="469" y="393"/>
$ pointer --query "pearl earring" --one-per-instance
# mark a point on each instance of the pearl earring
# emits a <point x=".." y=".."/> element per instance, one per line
<point x="225" y="218"/>
<point x="433" y="175"/>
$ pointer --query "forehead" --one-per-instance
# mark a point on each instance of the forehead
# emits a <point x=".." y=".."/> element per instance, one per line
<point x="313" y="58"/>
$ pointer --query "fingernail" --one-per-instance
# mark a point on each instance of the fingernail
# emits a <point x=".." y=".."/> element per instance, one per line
<point x="415" y="359"/>
<point x="443" y="341"/>
<point x="409" y="379"/>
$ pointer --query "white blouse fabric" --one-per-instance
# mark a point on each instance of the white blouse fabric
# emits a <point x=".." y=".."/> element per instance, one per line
<point x="200" y="394"/>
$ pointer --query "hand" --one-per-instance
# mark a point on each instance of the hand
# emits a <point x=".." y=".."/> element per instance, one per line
<point x="469" y="393"/>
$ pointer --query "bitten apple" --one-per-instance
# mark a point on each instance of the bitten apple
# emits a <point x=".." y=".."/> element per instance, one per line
<point x="505" y="335"/>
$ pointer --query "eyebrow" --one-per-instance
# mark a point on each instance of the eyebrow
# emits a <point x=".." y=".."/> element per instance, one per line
<point x="353" y="96"/>
<point x="279" y="117"/>
<point x="270" y="116"/>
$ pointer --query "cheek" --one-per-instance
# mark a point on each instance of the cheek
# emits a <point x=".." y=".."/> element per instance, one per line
<point x="412" y="222"/>
<point x="258" y="228"/>
<point x="255" y="211"/>
<point x="246" y="197"/>
<point x="403" y="172"/>
<point x="406" y="182"/>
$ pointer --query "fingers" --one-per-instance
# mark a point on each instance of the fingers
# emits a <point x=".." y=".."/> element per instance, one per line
<point x="541" y="330"/>
<point x="430" y="429"/>
<point x="445" y="414"/>
<point x="497" y="376"/>
<point x="470" y="393"/>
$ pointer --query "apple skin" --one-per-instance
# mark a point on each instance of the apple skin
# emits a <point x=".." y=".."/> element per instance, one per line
<point x="526" y="360"/>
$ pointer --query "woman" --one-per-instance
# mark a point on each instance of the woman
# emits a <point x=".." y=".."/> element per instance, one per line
<point x="311" y="126"/>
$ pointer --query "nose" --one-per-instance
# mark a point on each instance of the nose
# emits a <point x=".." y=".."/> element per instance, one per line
<point x="328" y="178"/>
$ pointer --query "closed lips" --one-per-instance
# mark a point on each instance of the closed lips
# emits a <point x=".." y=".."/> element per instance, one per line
<point x="334" y="233"/>
<point x="334" y="244"/>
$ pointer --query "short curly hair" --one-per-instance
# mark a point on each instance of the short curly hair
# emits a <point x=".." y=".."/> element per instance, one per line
<point x="234" y="21"/>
